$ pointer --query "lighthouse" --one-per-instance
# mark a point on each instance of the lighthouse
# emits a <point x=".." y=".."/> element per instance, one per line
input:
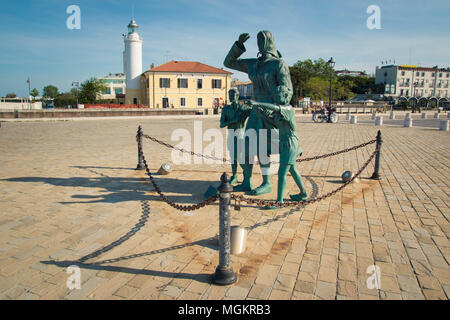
<point x="132" y="64"/>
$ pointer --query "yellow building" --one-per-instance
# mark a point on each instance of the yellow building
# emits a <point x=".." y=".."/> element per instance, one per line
<point x="184" y="84"/>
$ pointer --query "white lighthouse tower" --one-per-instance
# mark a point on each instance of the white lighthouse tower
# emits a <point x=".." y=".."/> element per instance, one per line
<point x="132" y="63"/>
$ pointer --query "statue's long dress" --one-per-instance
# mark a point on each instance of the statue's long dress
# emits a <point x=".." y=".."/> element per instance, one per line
<point x="266" y="74"/>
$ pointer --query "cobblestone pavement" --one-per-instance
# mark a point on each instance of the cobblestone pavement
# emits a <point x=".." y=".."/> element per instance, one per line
<point x="69" y="195"/>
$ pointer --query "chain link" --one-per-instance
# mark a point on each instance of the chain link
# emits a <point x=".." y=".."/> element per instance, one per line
<point x="163" y="196"/>
<point x="273" y="203"/>
<point x="184" y="150"/>
<point x="338" y="152"/>
<point x="167" y="145"/>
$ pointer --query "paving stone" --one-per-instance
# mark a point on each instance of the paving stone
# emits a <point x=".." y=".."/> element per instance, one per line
<point x="346" y="271"/>
<point x="296" y="295"/>
<point x="304" y="286"/>
<point x="434" y="294"/>
<point x="86" y="289"/>
<point x="325" y="290"/>
<point x="309" y="266"/>
<point x="290" y="268"/>
<point x="237" y="292"/>
<point x="327" y="274"/>
<point x="260" y="292"/>
<point x="267" y="275"/>
<point x="171" y="291"/>
<point x="346" y="288"/>
<point x="408" y="284"/>
<point x="279" y="295"/>
<point x="285" y="282"/>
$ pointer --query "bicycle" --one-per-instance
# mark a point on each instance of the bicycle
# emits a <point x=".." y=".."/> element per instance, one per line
<point x="321" y="116"/>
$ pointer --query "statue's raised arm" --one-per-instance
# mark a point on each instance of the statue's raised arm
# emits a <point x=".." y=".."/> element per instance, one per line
<point x="232" y="60"/>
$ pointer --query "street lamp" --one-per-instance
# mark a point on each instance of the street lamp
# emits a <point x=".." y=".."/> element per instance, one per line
<point x="332" y="63"/>
<point x="415" y="85"/>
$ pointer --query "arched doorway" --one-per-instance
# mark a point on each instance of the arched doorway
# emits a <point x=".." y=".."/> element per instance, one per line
<point x="423" y="103"/>
<point x="413" y="103"/>
<point x="433" y="102"/>
<point x="402" y="103"/>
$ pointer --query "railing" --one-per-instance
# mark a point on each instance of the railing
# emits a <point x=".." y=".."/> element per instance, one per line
<point x="361" y="108"/>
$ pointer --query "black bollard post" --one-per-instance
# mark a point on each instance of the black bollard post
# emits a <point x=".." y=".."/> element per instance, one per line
<point x="140" y="165"/>
<point x="376" y="174"/>
<point x="224" y="272"/>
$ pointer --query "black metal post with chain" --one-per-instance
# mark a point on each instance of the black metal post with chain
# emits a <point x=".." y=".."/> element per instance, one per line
<point x="376" y="174"/>
<point x="224" y="272"/>
<point x="140" y="165"/>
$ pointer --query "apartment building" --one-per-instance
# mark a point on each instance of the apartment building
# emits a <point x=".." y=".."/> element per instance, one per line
<point x="185" y="84"/>
<point x="414" y="81"/>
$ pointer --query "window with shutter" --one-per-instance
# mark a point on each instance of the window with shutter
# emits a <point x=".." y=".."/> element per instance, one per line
<point x="182" y="83"/>
<point x="216" y="84"/>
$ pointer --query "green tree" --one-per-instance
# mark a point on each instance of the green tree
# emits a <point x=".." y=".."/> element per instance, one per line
<point x="65" y="99"/>
<point x="310" y="78"/>
<point x="11" y="95"/>
<point x="50" y="92"/>
<point x="34" y="93"/>
<point x="317" y="88"/>
<point x="364" y="84"/>
<point x="91" y="89"/>
<point x="74" y="91"/>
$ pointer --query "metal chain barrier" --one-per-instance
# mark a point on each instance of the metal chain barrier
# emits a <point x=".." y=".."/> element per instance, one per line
<point x="167" y="145"/>
<point x="338" y="152"/>
<point x="241" y="198"/>
<point x="183" y="150"/>
<point x="273" y="203"/>
<point x="163" y="197"/>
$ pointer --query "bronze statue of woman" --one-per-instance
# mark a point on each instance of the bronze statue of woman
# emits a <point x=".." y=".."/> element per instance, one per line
<point x="266" y="72"/>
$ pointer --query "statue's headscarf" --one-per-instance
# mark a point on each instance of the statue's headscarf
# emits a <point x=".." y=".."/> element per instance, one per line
<point x="267" y="46"/>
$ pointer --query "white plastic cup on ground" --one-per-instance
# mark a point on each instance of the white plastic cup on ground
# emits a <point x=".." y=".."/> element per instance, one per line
<point x="238" y="239"/>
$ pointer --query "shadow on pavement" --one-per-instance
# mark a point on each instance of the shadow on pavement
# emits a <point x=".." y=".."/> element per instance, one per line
<point x="99" y="265"/>
<point x="205" y="278"/>
<point x="119" y="189"/>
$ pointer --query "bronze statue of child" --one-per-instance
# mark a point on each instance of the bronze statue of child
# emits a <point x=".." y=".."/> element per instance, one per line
<point x="233" y="117"/>
<point x="283" y="117"/>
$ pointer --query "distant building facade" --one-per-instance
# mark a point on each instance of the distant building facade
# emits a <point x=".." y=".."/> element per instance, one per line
<point x="411" y="81"/>
<point x="346" y="72"/>
<point x="185" y="84"/>
<point x="245" y="88"/>
<point x="116" y="86"/>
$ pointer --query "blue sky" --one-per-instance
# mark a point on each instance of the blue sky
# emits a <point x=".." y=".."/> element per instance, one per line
<point x="35" y="41"/>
